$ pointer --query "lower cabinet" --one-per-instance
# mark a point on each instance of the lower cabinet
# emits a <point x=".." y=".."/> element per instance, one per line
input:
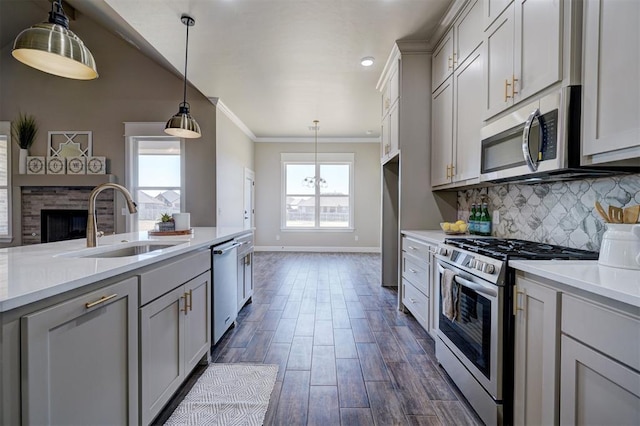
<point x="536" y="353"/>
<point x="80" y="359"/>
<point x="174" y="335"/>
<point x="417" y="289"/>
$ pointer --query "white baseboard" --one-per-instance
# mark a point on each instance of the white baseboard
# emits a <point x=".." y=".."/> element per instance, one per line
<point x="319" y="249"/>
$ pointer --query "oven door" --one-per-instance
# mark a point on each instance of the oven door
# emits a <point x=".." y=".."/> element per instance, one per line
<point x="475" y="334"/>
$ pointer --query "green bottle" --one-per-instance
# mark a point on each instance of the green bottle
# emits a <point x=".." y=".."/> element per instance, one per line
<point x="472" y="219"/>
<point x="485" y="221"/>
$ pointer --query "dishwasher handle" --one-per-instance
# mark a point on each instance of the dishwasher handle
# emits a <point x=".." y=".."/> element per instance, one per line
<point x="227" y="248"/>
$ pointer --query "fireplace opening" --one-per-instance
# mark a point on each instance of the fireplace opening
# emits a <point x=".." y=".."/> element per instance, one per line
<point x="61" y="225"/>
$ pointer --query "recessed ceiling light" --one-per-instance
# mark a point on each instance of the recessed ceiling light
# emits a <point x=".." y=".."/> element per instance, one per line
<point x="367" y="61"/>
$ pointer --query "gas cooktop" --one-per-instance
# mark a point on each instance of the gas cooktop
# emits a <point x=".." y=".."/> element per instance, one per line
<point x="508" y="248"/>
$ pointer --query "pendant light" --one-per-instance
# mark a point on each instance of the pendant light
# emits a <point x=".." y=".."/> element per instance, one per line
<point x="53" y="48"/>
<point x="313" y="181"/>
<point x="182" y="124"/>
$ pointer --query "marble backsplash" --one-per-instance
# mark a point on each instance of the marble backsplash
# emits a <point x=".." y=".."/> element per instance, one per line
<point x="561" y="213"/>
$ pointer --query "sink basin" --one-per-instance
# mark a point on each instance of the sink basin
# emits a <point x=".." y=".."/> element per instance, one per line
<point x="123" y="250"/>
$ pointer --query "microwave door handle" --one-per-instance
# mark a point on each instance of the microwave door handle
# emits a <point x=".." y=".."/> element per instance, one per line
<point x="482" y="289"/>
<point x="526" y="133"/>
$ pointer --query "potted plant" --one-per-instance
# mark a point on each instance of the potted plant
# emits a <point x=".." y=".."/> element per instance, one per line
<point x="166" y="223"/>
<point x="24" y="130"/>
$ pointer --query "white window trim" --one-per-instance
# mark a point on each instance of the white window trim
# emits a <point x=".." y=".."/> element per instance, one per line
<point x="5" y="129"/>
<point x="323" y="158"/>
<point x="151" y="131"/>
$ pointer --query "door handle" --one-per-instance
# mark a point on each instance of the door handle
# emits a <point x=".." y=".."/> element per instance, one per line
<point x="526" y="133"/>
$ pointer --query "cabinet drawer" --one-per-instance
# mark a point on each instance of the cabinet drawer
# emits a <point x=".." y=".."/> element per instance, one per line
<point x="416" y="272"/>
<point x="165" y="278"/>
<point x="603" y="329"/>
<point x="416" y="248"/>
<point x="416" y="302"/>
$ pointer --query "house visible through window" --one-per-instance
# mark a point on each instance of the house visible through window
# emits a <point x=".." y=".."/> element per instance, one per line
<point x="328" y="205"/>
<point x="5" y="186"/>
<point x="157" y="178"/>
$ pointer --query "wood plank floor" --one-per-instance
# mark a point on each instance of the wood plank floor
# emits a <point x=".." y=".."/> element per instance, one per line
<point x="346" y="355"/>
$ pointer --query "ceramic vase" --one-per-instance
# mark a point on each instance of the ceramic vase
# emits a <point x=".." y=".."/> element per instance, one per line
<point x="22" y="162"/>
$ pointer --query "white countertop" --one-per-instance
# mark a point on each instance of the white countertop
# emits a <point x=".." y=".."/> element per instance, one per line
<point x="618" y="284"/>
<point x="32" y="273"/>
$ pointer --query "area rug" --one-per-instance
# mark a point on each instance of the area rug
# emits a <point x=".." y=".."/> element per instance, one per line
<point x="229" y="395"/>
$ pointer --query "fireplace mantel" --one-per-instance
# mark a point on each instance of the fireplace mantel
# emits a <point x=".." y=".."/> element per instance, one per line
<point x="62" y="180"/>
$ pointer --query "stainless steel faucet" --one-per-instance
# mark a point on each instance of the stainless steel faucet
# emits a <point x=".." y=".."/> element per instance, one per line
<point x="91" y="219"/>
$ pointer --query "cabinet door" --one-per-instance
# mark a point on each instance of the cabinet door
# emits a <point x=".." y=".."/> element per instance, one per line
<point x="498" y="68"/>
<point x="385" y="145"/>
<point x="536" y="354"/>
<point x="538" y="46"/>
<point x="394" y="85"/>
<point x="467" y="107"/>
<point x="161" y="351"/>
<point x="442" y="61"/>
<point x="442" y="133"/>
<point x="468" y="32"/>
<point x="248" y="275"/>
<point x="79" y="363"/>
<point x="493" y="9"/>
<point x="611" y="88"/>
<point x="394" y="131"/>
<point x="595" y="389"/>
<point x="197" y="331"/>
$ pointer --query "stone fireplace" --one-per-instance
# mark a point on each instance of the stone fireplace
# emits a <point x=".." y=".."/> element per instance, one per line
<point x="67" y="198"/>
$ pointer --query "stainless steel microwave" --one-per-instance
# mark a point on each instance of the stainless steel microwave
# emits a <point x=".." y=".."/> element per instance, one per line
<point x="538" y="142"/>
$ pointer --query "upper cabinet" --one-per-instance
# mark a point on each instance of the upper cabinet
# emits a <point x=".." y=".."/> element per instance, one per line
<point x="611" y="88"/>
<point x="457" y="102"/>
<point x="492" y="9"/>
<point x="389" y="126"/>
<point x="523" y="51"/>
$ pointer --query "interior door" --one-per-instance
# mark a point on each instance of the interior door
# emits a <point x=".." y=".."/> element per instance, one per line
<point x="249" y="198"/>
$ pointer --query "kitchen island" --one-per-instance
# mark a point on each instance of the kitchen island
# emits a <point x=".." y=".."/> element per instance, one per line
<point x="103" y="334"/>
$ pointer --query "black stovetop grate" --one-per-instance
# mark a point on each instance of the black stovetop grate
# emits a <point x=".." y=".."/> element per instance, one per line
<point x="511" y="248"/>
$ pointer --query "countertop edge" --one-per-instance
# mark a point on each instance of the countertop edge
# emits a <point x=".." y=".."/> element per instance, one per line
<point x="14" y="302"/>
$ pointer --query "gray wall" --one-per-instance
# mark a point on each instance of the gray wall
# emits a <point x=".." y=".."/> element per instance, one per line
<point x="366" y="199"/>
<point x="560" y="213"/>
<point x="131" y="87"/>
<point x="235" y="149"/>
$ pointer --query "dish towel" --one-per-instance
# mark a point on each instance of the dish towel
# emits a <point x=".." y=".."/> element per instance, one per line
<point x="449" y="294"/>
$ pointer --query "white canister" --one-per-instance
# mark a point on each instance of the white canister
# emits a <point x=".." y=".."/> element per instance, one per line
<point x="621" y="246"/>
<point x="182" y="221"/>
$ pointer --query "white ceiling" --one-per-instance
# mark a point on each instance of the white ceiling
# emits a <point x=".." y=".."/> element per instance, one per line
<point x="279" y="64"/>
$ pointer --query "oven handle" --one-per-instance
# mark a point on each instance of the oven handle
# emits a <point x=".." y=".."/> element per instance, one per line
<point x="480" y="288"/>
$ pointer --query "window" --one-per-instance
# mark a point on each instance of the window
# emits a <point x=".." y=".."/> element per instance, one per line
<point x="156" y="178"/>
<point x="327" y="206"/>
<point x="5" y="184"/>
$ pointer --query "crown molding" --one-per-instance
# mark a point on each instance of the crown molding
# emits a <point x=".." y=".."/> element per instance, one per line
<point x="445" y="23"/>
<point x="234" y="118"/>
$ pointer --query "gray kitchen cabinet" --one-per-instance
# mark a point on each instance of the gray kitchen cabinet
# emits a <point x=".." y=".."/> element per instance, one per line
<point x="492" y="9"/>
<point x="611" y="88"/>
<point x="599" y="376"/>
<point x="442" y="134"/>
<point x="174" y="336"/>
<point x="536" y="353"/>
<point x="442" y="60"/>
<point x="80" y="359"/>
<point x="390" y="119"/>
<point x="524" y="52"/>
<point x="418" y="293"/>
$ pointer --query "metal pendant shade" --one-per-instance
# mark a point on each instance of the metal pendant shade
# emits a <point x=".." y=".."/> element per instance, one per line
<point x="182" y="124"/>
<point x="53" y="48"/>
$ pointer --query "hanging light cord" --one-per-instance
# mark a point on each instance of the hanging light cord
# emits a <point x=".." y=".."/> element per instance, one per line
<point x="57" y="15"/>
<point x="188" y="21"/>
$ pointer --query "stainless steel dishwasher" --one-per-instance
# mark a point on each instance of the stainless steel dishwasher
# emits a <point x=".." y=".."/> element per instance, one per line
<point x="225" y="287"/>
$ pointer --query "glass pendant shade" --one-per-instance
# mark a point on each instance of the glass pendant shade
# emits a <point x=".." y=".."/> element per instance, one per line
<point x="183" y="125"/>
<point x="53" y="48"/>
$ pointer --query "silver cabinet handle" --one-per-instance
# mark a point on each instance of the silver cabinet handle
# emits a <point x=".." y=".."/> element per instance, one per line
<point x="526" y="152"/>
<point x="226" y="249"/>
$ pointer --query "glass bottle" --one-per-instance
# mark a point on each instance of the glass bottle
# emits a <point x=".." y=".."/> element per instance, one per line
<point x="485" y="221"/>
<point x="472" y="219"/>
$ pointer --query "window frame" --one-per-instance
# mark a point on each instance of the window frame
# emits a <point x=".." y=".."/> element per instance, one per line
<point x="324" y="158"/>
<point x="135" y="132"/>
<point x="5" y="130"/>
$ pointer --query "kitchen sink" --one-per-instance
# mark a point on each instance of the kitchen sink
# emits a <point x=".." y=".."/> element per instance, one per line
<point x="123" y="250"/>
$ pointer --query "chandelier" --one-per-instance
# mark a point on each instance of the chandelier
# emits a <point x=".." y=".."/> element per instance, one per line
<point x="316" y="180"/>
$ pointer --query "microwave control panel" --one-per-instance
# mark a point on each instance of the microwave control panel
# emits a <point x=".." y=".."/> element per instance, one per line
<point x="549" y="137"/>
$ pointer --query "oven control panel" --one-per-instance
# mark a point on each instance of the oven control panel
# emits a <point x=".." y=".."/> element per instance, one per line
<point x="470" y="262"/>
